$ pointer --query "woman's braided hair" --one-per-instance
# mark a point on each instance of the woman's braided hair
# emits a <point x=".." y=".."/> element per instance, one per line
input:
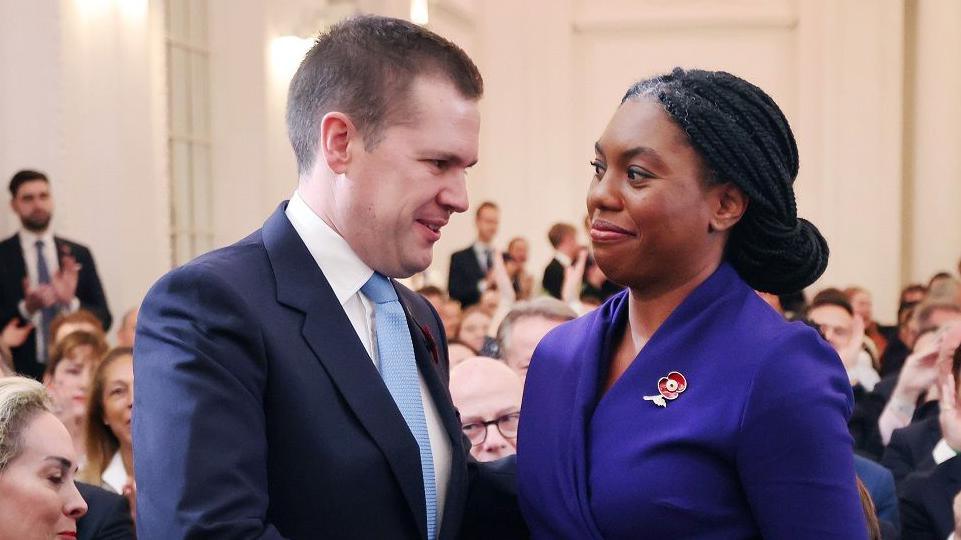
<point x="745" y="139"/>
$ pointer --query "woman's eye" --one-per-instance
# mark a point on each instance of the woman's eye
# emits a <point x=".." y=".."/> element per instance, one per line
<point x="634" y="173"/>
<point x="598" y="168"/>
<point x="56" y="479"/>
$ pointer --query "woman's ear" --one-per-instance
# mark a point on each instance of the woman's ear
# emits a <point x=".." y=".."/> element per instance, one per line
<point x="334" y="143"/>
<point x="730" y="203"/>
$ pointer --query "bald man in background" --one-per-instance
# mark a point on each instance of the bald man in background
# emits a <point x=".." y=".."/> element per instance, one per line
<point x="487" y="394"/>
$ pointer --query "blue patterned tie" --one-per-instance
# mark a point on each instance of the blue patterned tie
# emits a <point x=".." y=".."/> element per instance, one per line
<point x="399" y="371"/>
<point x="46" y="314"/>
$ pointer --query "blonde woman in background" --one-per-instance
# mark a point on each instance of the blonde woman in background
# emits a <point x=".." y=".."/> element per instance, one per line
<point x="38" y="497"/>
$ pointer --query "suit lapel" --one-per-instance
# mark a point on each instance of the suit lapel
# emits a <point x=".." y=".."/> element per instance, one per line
<point x="457" y="484"/>
<point x="330" y="335"/>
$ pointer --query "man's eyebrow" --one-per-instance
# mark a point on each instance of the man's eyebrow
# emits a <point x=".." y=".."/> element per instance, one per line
<point x="454" y="158"/>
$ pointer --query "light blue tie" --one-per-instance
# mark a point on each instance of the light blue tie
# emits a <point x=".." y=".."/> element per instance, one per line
<point x="398" y="368"/>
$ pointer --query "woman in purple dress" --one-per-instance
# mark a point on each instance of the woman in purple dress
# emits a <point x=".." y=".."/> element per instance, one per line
<point x="685" y="407"/>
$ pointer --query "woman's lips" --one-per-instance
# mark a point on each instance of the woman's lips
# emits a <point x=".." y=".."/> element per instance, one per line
<point x="606" y="232"/>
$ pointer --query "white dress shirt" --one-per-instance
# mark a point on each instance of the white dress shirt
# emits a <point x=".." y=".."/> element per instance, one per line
<point x="115" y="475"/>
<point x="28" y="244"/>
<point x="563" y="259"/>
<point x="346" y="274"/>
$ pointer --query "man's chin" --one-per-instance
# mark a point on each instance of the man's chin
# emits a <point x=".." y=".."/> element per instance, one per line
<point x="36" y="225"/>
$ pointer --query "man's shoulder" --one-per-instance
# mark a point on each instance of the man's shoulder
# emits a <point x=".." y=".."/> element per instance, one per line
<point x="10" y="244"/>
<point x="467" y="251"/>
<point x="235" y="266"/>
<point x="94" y="495"/>
<point x="73" y="245"/>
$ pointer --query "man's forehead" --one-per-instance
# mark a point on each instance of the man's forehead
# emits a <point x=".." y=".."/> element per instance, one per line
<point x="33" y="187"/>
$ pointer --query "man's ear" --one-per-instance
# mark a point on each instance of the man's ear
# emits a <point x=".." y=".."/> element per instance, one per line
<point x="335" y="142"/>
<point x="730" y="205"/>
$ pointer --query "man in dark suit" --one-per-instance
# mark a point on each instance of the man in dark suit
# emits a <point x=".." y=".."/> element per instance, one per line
<point x="107" y="517"/>
<point x="911" y="448"/>
<point x="42" y="275"/>
<point x="470" y="268"/>
<point x="563" y="238"/>
<point x="927" y="498"/>
<point x="287" y="386"/>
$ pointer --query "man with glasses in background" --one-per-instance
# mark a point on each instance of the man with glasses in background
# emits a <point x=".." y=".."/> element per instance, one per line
<point x="488" y="395"/>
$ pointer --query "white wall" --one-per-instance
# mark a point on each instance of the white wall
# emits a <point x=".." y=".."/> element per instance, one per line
<point x="933" y="200"/>
<point x="84" y="100"/>
<point x="870" y="87"/>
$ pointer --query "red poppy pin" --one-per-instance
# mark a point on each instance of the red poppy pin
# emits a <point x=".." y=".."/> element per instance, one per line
<point x="668" y="389"/>
<point x="431" y="344"/>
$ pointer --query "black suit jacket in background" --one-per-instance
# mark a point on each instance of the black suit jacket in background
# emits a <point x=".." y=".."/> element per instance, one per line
<point x="926" y="500"/>
<point x="553" y="280"/>
<point x="909" y="449"/>
<point x="13" y="269"/>
<point x="107" y="517"/>
<point x="465" y="273"/>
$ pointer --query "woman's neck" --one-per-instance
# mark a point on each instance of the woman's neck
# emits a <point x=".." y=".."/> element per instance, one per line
<point x="649" y="307"/>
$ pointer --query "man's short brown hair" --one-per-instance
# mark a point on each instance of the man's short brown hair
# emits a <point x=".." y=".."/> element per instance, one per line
<point x="484" y="206"/>
<point x="558" y="232"/>
<point x="72" y="341"/>
<point x="364" y="67"/>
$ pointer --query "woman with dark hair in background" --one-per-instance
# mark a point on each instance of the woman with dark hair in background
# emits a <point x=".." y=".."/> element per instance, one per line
<point x="686" y="406"/>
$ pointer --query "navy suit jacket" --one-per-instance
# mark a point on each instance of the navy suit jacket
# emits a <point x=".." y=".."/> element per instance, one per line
<point x="13" y="269"/>
<point x="880" y="485"/>
<point x="107" y="517"/>
<point x="259" y="413"/>
<point x="926" y="500"/>
<point x="910" y="449"/>
<point x="465" y="272"/>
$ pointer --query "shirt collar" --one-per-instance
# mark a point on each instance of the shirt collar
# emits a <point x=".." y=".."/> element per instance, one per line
<point x="343" y="269"/>
<point x="480" y="248"/>
<point x="28" y="239"/>
<point x="942" y="452"/>
<point x="115" y="475"/>
<point x="562" y="258"/>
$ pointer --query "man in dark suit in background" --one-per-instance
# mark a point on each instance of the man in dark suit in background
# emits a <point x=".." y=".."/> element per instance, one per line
<point x="563" y="238"/>
<point x="42" y="275"/>
<point x="287" y="386"/>
<point x="470" y="268"/>
<point x="927" y="498"/>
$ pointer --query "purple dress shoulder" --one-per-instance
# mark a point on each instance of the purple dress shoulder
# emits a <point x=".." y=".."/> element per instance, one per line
<point x="756" y="445"/>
